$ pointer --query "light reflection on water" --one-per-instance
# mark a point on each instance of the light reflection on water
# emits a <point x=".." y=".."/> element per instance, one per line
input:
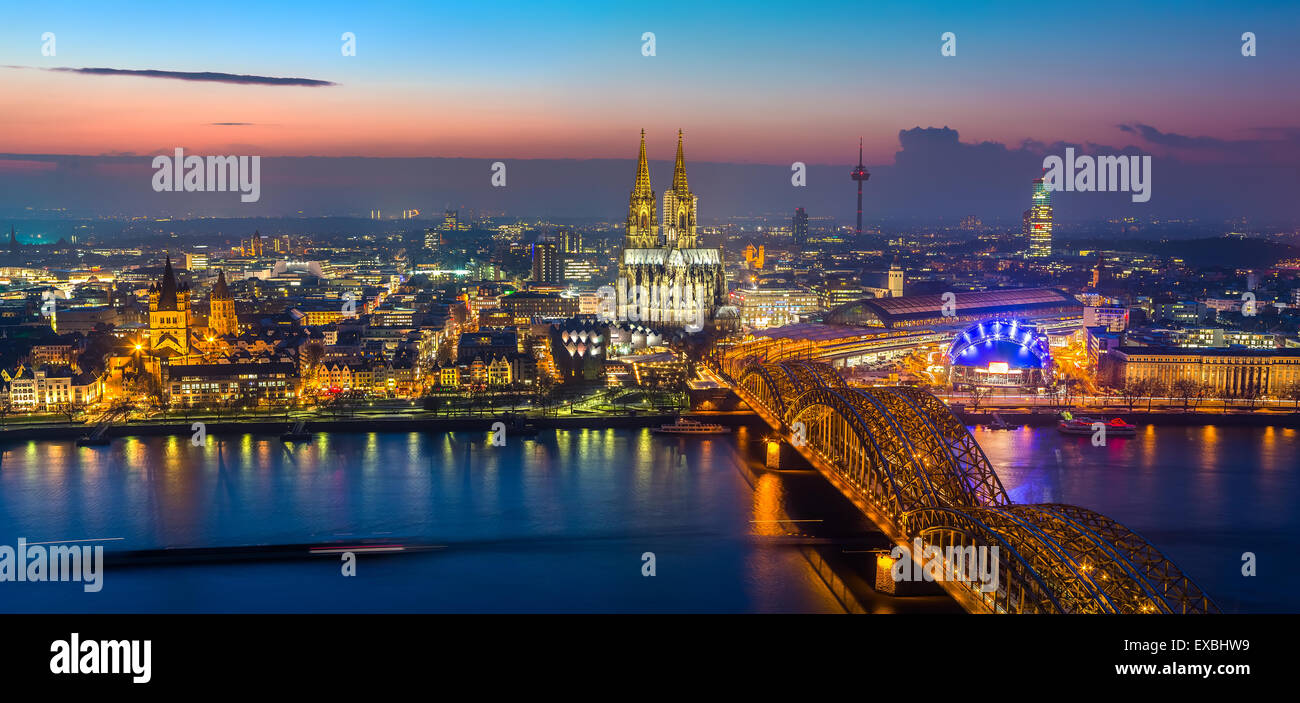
<point x="552" y="524"/>
<point x="558" y="523"/>
<point x="1202" y="495"/>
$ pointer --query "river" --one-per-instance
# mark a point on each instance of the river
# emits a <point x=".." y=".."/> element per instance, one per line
<point x="560" y="522"/>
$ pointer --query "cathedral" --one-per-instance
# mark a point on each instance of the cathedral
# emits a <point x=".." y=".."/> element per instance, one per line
<point x="177" y="336"/>
<point x="170" y="317"/>
<point x="666" y="280"/>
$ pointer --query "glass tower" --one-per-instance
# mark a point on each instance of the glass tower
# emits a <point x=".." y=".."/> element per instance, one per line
<point x="1038" y="222"/>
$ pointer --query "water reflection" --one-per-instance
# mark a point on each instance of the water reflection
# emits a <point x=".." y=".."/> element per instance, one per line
<point x="580" y="507"/>
<point x="1202" y="495"/>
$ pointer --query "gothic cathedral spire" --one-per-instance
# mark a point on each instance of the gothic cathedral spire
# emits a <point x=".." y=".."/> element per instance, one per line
<point x="680" y="206"/>
<point x="679" y="170"/>
<point x="642" y="215"/>
<point x="674" y="284"/>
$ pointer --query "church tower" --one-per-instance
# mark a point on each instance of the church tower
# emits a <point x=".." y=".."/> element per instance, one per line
<point x="221" y="309"/>
<point x="642" y="220"/>
<point x="674" y="284"/>
<point x="895" y="279"/>
<point x="169" y="315"/>
<point x="680" y="206"/>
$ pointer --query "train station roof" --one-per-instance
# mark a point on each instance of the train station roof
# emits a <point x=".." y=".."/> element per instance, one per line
<point x="928" y="309"/>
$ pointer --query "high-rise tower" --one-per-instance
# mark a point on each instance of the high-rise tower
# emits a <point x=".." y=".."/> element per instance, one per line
<point x="1037" y="227"/>
<point x="799" y="226"/>
<point x="642" y="216"/>
<point x="860" y="175"/>
<point x="546" y="262"/>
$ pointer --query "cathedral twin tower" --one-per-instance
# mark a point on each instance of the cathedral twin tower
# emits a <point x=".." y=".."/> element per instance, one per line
<point x="668" y="281"/>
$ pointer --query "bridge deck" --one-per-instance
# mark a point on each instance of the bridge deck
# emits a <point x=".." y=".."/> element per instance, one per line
<point x="913" y="468"/>
<point x="958" y="591"/>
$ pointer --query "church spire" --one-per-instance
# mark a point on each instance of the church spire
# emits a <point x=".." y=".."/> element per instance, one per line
<point x="679" y="206"/>
<point x="642" y="217"/>
<point x="679" y="170"/>
<point x="167" y="287"/>
<point x="220" y="290"/>
<point x="642" y="186"/>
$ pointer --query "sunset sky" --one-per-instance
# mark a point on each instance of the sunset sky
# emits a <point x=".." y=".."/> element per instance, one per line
<point x="751" y="82"/>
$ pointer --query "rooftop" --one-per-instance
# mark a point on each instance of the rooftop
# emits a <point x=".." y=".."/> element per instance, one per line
<point x="924" y="307"/>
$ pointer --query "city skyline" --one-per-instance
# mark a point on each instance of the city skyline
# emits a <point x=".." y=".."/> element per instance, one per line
<point x="735" y="308"/>
<point x="984" y="180"/>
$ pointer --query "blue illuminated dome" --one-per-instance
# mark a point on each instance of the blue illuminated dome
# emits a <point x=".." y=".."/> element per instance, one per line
<point x="994" y="342"/>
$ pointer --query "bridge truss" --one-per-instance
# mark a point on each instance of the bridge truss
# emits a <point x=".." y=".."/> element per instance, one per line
<point x="912" y="466"/>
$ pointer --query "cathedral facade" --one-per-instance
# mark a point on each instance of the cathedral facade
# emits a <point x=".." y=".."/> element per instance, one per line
<point x="179" y="337"/>
<point x="666" y="279"/>
<point x="170" y="316"/>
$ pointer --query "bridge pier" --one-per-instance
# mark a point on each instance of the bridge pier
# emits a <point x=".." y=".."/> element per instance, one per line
<point x="888" y="583"/>
<point x="778" y="454"/>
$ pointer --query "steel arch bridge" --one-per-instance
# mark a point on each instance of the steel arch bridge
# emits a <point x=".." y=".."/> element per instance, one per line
<point x="906" y="461"/>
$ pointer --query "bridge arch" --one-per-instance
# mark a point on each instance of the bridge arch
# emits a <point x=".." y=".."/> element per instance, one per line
<point x="905" y="453"/>
<point x="853" y="440"/>
<point x="760" y="382"/>
<point x="1161" y="581"/>
<point x="1020" y="586"/>
<point x="966" y="460"/>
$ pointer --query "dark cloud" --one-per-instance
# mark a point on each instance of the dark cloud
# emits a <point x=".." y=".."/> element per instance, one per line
<point x="199" y="76"/>
<point x="934" y="175"/>
<point x="1275" y="146"/>
<point x="1181" y="141"/>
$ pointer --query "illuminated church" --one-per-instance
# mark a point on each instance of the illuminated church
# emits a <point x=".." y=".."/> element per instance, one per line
<point x="222" y="321"/>
<point x="667" y="281"/>
<point x="170" y="317"/>
<point x="176" y="335"/>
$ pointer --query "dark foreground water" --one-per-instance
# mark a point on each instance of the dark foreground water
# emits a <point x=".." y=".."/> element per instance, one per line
<point x="1203" y="495"/>
<point x="559" y="523"/>
<point x="553" y="524"/>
